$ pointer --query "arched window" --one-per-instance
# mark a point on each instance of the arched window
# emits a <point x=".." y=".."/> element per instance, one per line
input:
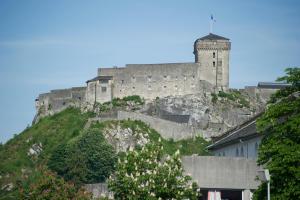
<point x="214" y="54"/>
<point x="214" y="63"/>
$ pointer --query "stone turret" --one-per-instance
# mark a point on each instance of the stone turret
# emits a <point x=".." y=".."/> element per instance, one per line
<point x="212" y="54"/>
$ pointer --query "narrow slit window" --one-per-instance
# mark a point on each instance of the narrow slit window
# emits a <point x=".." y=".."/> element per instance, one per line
<point x="214" y="54"/>
<point x="214" y="63"/>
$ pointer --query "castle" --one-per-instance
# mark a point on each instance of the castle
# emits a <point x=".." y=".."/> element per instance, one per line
<point x="210" y="71"/>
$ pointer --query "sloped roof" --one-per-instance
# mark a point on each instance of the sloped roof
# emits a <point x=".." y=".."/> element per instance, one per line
<point x="100" y="78"/>
<point x="212" y="36"/>
<point x="270" y="85"/>
<point x="244" y="131"/>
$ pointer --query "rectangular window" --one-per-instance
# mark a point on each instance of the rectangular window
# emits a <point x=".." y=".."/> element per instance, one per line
<point x="103" y="89"/>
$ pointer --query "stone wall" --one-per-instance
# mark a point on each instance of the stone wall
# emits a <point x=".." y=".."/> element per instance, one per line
<point x="167" y="129"/>
<point x="57" y="100"/>
<point x="99" y="91"/>
<point x="213" y="58"/>
<point x="155" y="80"/>
<point x="98" y="190"/>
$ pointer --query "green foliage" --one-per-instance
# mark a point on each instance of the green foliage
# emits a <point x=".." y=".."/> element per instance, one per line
<point x="280" y="147"/>
<point x="293" y="77"/>
<point x="48" y="186"/>
<point x="214" y="98"/>
<point x="132" y="101"/>
<point x="50" y="131"/>
<point x="234" y="96"/>
<point x="149" y="174"/>
<point x="86" y="159"/>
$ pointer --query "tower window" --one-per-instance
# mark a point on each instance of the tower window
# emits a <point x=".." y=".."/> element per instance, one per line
<point x="214" y="63"/>
<point x="220" y="63"/>
<point x="103" y="89"/>
<point x="214" y="54"/>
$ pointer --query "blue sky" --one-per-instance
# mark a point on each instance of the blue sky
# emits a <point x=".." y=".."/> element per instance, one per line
<point x="59" y="44"/>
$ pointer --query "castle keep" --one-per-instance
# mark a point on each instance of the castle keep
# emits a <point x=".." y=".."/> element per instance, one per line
<point x="209" y="71"/>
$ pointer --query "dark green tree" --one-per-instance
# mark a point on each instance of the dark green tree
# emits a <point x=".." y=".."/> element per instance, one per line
<point x="280" y="147"/>
<point x="87" y="159"/>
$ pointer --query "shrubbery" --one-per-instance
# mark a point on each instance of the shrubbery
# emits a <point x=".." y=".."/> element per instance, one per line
<point x="47" y="185"/>
<point x="87" y="159"/>
<point x="149" y="174"/>
<point x="129" y="101"/>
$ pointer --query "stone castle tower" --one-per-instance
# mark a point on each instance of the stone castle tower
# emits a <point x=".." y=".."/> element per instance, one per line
<point x="212" y="54"/>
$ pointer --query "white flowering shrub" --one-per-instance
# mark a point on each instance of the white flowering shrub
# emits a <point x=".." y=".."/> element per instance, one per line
<point x="149" y="174"/>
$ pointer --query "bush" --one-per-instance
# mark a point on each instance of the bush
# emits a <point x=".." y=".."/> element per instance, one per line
<point x="47" y="185"/>
<point x="87" y="159"/>
<point x="149" y="174"/>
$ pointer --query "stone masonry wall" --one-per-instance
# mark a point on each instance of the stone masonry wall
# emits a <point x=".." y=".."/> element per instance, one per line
<point x="155" y="80"/>
<point x="167" y="129"/>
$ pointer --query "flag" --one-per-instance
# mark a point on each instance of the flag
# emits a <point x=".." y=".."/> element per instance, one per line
<point x="212" y="18"/>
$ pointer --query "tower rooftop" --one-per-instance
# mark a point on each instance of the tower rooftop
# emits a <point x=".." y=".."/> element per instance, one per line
<point x="212" y="37"/>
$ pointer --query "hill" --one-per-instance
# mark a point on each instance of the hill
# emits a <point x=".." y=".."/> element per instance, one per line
<point x="62" y="144"/>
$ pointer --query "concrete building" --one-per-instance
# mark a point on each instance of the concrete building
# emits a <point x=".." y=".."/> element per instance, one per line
<point x="210" y="71"/>
<point x="231" y="178"/>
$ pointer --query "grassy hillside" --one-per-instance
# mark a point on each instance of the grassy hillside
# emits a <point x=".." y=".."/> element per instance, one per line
<point x="66" y="129"/>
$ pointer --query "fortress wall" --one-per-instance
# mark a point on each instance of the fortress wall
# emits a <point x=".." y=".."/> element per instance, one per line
<point x="58" y="100"/>
<point x="167" y="129"/>
<point x="110" y="71"/>
<point x="157" y="80"/>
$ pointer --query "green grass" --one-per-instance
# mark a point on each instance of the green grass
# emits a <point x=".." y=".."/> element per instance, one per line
<point x="50" y="132"/>
<point x="118" y="103"/>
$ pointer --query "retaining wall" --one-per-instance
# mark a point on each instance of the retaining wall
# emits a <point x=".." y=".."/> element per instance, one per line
<point x="166" y="128"/>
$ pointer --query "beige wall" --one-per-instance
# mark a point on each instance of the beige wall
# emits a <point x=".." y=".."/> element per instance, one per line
<point x="155" y="80"/>
<point x="99" y="91"/>
<point x="218" y="74"/>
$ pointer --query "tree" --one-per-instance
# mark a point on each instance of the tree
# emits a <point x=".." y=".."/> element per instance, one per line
<point x="280" y="147"/>
<point x="47" y="186"/>
<point x="87" y="159"/>
<point x="149" y="174"/>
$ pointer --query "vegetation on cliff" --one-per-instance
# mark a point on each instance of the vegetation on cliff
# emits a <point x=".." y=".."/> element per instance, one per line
<point x="280" y="148"/>
<point x="69" y="154"/>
